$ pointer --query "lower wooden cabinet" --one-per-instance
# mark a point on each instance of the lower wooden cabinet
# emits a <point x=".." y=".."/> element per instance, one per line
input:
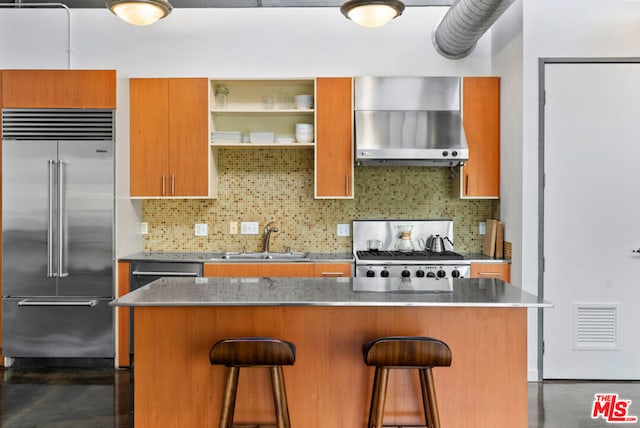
<point x="292" y="270"/>
<point x="258" y="269"/>
<point x="332" y="269"/>
<point x="491" y="270"/>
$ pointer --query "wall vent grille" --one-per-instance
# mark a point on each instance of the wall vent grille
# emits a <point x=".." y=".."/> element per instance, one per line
<point x="57" y="124"/>
<point x="595" y="326"/>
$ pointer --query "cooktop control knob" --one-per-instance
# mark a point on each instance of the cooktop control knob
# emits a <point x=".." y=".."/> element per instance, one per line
<point x="445" y="153"/>
<point x="370" y="274"/>
<point x="384" y="274"/>
<point x="455" y="273"/>
<point x="454" y="153"/>
<point x="405" y="273"/>
<point x="420" y="273"/>
<point x="431" y="275"/>
<point x="441" y="273"/>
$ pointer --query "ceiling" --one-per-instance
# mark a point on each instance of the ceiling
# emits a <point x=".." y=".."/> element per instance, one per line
<point x="226" y="3"/>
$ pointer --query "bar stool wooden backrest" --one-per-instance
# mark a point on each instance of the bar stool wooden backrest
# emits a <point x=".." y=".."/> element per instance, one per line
<point x="253" y="352"/>
<point x="405" y="352"/>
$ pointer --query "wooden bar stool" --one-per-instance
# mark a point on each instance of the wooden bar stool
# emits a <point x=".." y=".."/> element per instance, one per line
<point x="253" y="352"/>
<point x="405" y="352"/>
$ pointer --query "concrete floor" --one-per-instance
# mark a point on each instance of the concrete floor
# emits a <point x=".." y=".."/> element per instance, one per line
<point x="96" y="398"/>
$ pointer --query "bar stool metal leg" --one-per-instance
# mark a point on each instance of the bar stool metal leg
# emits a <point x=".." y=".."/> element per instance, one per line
<point x="229" y="399"/>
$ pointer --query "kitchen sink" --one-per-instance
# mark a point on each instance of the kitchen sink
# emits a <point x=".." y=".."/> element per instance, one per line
<point x="290" y="255"/>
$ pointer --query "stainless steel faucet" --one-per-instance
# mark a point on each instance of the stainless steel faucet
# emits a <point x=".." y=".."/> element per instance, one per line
<point x="267" y="235"/>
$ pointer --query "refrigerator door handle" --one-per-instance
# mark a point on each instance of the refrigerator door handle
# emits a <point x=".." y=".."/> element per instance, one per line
<point x="61" y="232"/>
<point x="50" y="225"/>
<point x="44" y="302"/>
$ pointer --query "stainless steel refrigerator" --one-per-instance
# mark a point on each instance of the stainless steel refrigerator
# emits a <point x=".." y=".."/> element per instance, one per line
<point x="57" y="233"/>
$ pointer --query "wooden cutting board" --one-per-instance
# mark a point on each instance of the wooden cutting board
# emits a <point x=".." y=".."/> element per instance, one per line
<point x="499" y="240"/>
<point x="489" y="247"/>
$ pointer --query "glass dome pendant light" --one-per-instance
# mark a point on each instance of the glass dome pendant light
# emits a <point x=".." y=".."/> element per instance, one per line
<point x="372" y="13"/>
<point x="140" y="12"/>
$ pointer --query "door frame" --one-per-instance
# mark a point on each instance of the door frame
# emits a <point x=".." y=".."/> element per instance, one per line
<point x="542" y="63"/>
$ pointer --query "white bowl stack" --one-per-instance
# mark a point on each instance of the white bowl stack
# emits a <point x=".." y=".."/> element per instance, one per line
<point x="304" y="133"/>
<point x="303" y="102"/>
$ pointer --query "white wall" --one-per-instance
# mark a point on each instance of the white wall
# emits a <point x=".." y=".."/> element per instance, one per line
<point x="562" y="29"/>
<point x="233" y="42"/>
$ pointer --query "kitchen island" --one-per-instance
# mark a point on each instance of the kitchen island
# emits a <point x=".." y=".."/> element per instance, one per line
<point x="177" y="320"/>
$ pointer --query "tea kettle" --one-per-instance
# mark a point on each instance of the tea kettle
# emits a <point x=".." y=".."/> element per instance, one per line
<point x="437" y="244"/>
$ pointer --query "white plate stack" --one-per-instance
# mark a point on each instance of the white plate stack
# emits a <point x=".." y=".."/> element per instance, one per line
<point x="304" y="133"/>
<point x="303" y="102"/>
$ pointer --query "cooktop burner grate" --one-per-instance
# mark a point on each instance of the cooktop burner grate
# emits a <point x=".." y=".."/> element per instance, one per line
<point x="413" y="255"/>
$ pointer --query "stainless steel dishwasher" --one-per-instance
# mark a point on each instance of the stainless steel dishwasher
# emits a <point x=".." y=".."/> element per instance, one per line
<point x="144" y="272"/>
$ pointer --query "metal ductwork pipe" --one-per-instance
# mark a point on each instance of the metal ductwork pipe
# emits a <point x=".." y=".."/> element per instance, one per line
<point x="462" y="26"/>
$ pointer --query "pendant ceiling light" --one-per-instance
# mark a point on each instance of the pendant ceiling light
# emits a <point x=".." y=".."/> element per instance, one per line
<point x="372" y="13"/>
<point x="140" y="12"/>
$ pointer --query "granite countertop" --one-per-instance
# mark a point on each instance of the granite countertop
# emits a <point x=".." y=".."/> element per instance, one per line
<point x="329" y="292"/>
<point x="216" y="257"/>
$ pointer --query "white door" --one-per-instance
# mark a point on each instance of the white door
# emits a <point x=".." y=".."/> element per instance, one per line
<point x="592" y="221"/>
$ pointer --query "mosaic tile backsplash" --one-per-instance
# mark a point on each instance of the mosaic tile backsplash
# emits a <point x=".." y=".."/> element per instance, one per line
<point x="263" y="185"/>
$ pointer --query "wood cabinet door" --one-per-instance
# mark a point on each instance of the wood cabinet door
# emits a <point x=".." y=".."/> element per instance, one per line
<point x="59" y="89"/>
<point x="149" y="133"/>
<point x="480" y="176"/>
<point x="123" y="315"/>
<point x="491" y="270"/>
<point x="334" y="143"/>
<point x="188" y="137"/>
<point x="332" y="269"/>
<point x="252" y="270"/>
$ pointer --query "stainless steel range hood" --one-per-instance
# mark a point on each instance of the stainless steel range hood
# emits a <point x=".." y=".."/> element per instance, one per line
<point x="412" y="121"/>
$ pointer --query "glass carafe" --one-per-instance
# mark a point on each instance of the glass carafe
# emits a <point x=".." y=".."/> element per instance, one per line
<point x="405" y="244"/>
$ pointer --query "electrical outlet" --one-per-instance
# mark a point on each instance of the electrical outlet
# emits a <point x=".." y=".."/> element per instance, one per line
<point x="249" y="228"/>
<point x="201" y="229"/>
<point x="482" y="228"/>
<point x="233" y="228"/>
<point x="144" y="228"/>
<point x="344" y="230"/>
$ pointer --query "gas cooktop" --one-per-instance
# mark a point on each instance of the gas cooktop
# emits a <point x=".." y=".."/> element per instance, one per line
<point x="411" y="255"/>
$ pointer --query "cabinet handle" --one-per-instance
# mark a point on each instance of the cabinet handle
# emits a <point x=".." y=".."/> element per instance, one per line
<point x="346" y="187"/>
<point x="466" y="184"/>
<point x="489" y="273"/>
<point x="173" y="184"/>
<point x="163" y="187"/>
<point x="332" y="274"/>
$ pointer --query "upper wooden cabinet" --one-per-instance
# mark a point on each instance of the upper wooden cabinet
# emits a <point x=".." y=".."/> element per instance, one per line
<point x="480" y="176"/>
<point x="59" y="89"/>
<point x="334" y="145"/>
<point x="170" y="153"/>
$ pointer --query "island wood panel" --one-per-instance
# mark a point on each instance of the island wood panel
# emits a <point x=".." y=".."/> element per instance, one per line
<point x="329" y="385"/>
<point x="332" y="269"/>
<point x="236" y="270"/>
<point x="481" y="118"/>
<point x="334" y="143"/>
<point x="122" y="315"/>
<point x="188" y="137"/>
<point x="491" y="270"/>
<point x="149" y="133"/>
<point x="59" y="89"/>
